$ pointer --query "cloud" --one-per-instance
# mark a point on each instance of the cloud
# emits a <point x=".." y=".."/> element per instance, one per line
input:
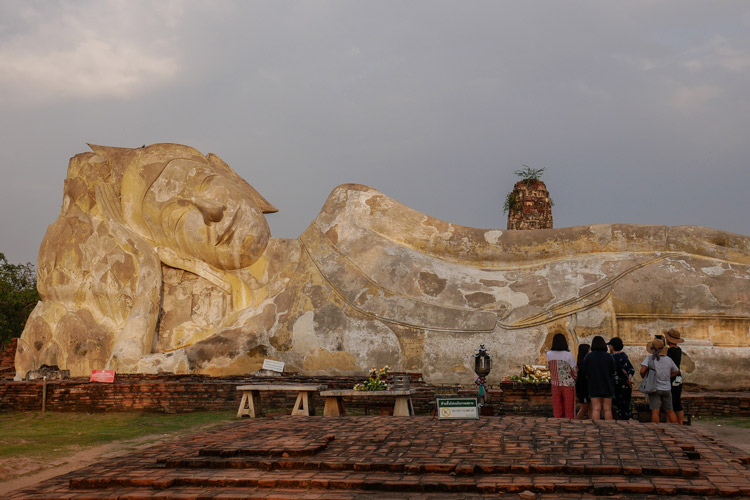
<point x="93" y="68"/>
<point x="717" y="53"/>
<point x="701" y="73"/>
<point x="637" y="63"/>
<point x="708" y="72"/>
<point x="690" y="100"/>
<point x="84" y="50"/>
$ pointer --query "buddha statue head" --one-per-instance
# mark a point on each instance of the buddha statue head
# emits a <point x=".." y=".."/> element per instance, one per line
<point x="191" y="207"/>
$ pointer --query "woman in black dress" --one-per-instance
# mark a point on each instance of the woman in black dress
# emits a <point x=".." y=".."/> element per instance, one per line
<point x="582" y="384"/>
<point x="673" y="338"/>
<point x="624" y="372"/>
<point x="599" y="368"/>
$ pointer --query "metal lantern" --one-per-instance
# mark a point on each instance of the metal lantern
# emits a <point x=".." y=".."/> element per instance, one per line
<point x="482" y="362"/>
<point x="482" y="367"/>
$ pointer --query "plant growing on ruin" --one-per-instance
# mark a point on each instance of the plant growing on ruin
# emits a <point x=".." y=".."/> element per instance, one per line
<point x="528" y="175"/>
<point x="510" y="202"/>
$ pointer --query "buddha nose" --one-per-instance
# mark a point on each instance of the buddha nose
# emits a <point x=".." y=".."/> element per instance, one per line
<point x="211" y="212"/>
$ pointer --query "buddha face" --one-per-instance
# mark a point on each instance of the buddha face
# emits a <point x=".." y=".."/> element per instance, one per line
<point x="202" y="209"/>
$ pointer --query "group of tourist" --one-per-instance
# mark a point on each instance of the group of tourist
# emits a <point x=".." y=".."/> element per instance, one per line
<point x="601" y="379"/>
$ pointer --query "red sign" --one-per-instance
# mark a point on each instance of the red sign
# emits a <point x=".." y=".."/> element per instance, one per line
<point x="106" y="376"/>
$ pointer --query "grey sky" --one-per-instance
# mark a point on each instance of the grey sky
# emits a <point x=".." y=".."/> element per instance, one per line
<point x="640" y="111"/>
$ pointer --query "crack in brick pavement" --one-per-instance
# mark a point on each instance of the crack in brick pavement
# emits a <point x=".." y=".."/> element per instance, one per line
<point x="373" y="457"/>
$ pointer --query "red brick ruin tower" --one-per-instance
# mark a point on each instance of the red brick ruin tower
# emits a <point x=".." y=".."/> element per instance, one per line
<point x="528" y="204"/>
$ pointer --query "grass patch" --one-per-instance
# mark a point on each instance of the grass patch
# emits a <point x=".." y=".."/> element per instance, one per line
<point x="36" y="434"/>
<point x="743" y="422"/>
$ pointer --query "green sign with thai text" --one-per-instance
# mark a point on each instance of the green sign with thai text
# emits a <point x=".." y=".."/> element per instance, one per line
<point x="457" y="408"/>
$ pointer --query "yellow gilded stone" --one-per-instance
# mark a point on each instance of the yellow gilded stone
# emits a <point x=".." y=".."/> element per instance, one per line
<point x="161" y="260"/>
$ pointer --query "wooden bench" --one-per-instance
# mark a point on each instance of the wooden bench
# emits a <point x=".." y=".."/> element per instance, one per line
<point x="335" y="404"/>
<point x="250" y="404"/>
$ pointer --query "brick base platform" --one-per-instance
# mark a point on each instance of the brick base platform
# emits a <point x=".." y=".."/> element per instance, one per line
<point x="185" y="393"/>
<point x="419" y="458"/>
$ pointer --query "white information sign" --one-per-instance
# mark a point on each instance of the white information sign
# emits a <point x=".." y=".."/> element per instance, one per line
<point x="273" y="365"/>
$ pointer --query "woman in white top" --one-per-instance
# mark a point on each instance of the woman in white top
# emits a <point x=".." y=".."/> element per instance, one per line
<point x="562" y="369"/>
<point x="664" y="368"/>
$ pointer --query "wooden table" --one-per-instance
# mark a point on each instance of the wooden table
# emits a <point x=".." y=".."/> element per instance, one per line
<point x="250" y="404"/>
<point x="335" y="404"/>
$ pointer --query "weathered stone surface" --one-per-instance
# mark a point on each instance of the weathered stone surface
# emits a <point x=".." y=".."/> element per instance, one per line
<point x="161" y="260"/>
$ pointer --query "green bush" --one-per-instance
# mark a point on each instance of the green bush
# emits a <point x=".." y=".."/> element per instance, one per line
<point x="18" y="296"/>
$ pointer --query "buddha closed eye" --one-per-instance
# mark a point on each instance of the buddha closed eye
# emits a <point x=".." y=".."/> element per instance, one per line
<point x="198" y="211"/>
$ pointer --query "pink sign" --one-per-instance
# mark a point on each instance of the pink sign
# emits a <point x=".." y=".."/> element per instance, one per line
<point x="106" y="376"/>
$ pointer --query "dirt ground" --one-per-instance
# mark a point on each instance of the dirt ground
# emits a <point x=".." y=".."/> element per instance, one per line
<point x="738" y="437"/>
<point x="21" y="473"/>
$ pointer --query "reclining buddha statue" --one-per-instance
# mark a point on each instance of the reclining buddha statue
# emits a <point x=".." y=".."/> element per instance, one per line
<point x="161" y="260"/>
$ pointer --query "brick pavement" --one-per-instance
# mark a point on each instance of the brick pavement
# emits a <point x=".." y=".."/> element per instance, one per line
<point x="419" y="458"/>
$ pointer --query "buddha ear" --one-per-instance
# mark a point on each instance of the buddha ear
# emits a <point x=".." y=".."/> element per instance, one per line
<point x="262" y="203"/>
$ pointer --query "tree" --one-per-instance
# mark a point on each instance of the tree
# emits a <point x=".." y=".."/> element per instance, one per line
<point x="18" y="296"/>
